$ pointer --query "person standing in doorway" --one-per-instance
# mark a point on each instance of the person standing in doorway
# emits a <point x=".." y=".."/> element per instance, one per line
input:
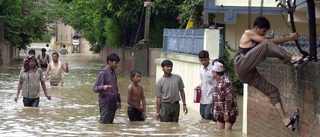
<point x="254" y="48"/>
<point x="44" y="58"/>
<point x="206" y="86"/>
<point x="225" y="108"/>
<point x="56" y="67"/>
<point x="29" y="81"/>
<point x="135" y="98"/>
<point x="107" y="87"/>
<point x="167" y="91"/>
<point x="63" y="50"/>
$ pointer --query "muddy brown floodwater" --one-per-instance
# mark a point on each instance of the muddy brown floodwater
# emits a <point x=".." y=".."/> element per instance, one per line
<point x="74" y="110"/>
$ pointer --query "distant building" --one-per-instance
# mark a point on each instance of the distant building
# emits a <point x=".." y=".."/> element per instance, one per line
<point x="66" y="35"/>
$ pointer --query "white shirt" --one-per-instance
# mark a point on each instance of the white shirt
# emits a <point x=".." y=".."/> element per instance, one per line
<point x="207" y="84"/>
<point x="48" y="50"/>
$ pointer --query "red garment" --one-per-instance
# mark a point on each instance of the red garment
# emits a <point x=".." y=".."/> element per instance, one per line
<point x="225" y="100"/>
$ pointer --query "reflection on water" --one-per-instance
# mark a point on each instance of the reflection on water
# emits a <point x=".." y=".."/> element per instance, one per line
<point x="74" y="110"/>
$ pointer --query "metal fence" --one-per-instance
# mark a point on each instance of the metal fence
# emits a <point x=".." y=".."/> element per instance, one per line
<point x="186" y="41"/>
<point x="304" y="44"/>
<point x="183" y="41"/>
<point x="191" y="42"/>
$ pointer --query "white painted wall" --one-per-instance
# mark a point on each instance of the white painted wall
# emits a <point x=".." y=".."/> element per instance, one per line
<point x="188" y="66"/>
<point x="189" y="70"/>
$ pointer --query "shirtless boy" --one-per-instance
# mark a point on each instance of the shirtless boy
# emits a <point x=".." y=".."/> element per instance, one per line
<point x="135" y="98"/>
<point x="44" y="58"/>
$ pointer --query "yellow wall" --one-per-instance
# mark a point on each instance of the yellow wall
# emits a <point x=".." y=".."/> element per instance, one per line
<point x="278" y="26"/>
<point x="65" y="33"/>
<point x="301" y="14"/>
<point x="266" y="3"/>
<point x="64" y="36"/>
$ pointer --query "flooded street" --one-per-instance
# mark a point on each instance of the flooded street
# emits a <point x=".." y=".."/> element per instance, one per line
<point x="74" y="109"/>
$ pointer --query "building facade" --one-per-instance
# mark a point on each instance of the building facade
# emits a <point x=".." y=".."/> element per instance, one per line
<point x="66" y="35"/>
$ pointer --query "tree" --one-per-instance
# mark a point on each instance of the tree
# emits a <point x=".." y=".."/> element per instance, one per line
<point x="116" y="23"/>
<point x="191" y="10"/>
<point x="24" y="20"/>
<point x="290" y="8"/>
<point x="102" y="22"/>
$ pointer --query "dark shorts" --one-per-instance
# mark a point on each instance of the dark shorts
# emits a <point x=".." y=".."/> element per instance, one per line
<point x="106" y="115"/>
<point x="169" y="112"/>
<point x="232" y="119"/>
<point x="44" y="65"/>
<point x="56" y="83"/>
<point x="134" y="114"/>
<point x="31" y="102"/>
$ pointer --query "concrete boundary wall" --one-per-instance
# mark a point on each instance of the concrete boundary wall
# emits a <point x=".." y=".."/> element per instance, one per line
<point x="298" y="89"/>
<point x="188" y="66"/>
<point x="9" y="53"/>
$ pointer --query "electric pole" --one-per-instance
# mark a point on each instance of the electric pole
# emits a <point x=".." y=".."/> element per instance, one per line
<point x="147" y="4"/>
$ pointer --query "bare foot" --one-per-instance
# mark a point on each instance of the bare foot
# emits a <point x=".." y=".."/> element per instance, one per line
<point x="286" y="121"/>
<point x="295" y="59"/>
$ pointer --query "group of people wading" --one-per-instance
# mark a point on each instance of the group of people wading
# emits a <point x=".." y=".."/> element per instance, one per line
<point x="218" y="99"/>
<point x="31" y="75"/>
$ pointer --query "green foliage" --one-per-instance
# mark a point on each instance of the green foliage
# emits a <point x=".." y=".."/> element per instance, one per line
<point x="155" y="36"/>
<point x="229" y="65"/>
<point x="112" y="33"/>
<point x="24" y="21"/>
<point x="45" y="38"/>
<point x="191" y="9"/>
<point x="164" y="15"/>
<point x="116" y="23"/>
<point x="111" y="22"/>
